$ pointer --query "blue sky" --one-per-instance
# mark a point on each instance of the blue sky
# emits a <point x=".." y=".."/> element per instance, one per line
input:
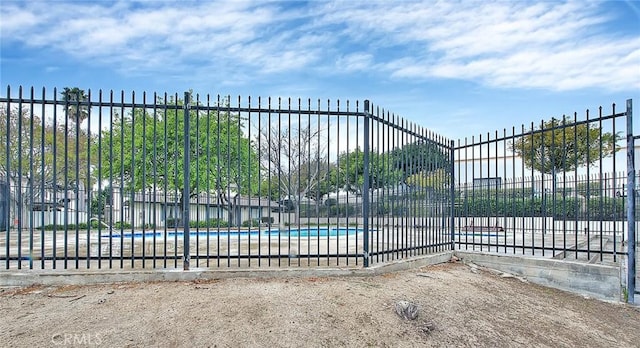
<point x="458" y="68"/>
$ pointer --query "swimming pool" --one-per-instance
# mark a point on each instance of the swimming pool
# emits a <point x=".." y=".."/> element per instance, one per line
<point x="226" y="233"/>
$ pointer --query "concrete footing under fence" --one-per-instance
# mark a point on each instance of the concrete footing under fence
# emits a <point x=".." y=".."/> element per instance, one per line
<point x="593" y="280"/>
<point x="85" y="277"/>
<point x="598" y="281"/>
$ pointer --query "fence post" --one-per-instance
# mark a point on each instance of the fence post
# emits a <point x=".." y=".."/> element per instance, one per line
<point x="186" y="186"/>
<point x="366" y="185"/>
<point x="452" y="197"/>
<point x="631" y="207"/>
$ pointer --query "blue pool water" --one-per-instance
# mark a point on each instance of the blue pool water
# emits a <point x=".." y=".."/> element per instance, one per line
<point x="294" y="232"/>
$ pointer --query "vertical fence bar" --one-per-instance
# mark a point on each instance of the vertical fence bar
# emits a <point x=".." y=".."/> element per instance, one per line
<point x="237" y="210"/>
<point x="349" y="185"/>
<point x="298" y="181"/>
<point x="631" y="207"/>
<point x="31" y="177"/>
<point x="186" y="185"/>
<point x="175" y="106"/>
<point x="346" y="179"/>
<point x="112" y="200"/>
<point x="18" y="183"/>
<point x="452" y="194"/>
<point x="99" y="169"/>
<point x="87" y="187"/>
<point x="279" y="170"/>
<point x="386" y="202"/>
<point x="269" y="176"/>
<point x="165" y="178"/>
<point x="18" y="169"/>
<point x="8" y="190"/>
<point x="197" y="190"/>
<point x="308" y="251"/>
<point x="613" y="186"/>
<point x="132" y="199"/>
<point x="76" y="133"/>
<point x="42" y="182"/>
<point x="337" y="190"/>
<point x="208" y="217"/>
<point x="564" y="186"/>
<point x="543" y="193"/>
<point x="146" y="198"/>
<point x="504" y="187"/>
<point x="155" y="176"/>
<point x="121" y="179"/>
<point x="365" y="189"/>
<point x="219" y="183"/>
<point x="588" y="183"/>
<point x="251" y="218"/>
<point x="403" y="190"/>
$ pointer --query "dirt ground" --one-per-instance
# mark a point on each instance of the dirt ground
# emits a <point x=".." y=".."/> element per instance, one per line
<point x="459" y="306"/>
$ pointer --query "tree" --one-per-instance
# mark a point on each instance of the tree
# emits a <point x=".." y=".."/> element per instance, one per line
<point x="101" y="200"/>
<point x="422" y="156"/>
<point x="20" y="150"/>
<point x="558" y="146"/>
<point x="295" y="161"/>
<point x="348" y="172"/>
<point x="73" y="97"/>
<point x="145" y="150"/>
<point x="436" y="179"/>
<point x="42" y="155"/>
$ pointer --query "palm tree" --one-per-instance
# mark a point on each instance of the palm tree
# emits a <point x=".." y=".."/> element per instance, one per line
<point x="72" y="98"/>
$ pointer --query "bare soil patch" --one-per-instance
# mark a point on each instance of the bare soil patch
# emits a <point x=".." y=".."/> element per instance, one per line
<point x="459" y="306"/>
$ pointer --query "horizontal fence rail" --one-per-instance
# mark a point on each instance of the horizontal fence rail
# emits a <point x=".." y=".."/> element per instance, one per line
<point x="556" y="188"/>
<point x="111" y="180"/>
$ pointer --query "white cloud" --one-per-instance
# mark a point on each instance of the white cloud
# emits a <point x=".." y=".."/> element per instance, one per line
<point x="355" y="62"/>
<point x="548" y="45"/>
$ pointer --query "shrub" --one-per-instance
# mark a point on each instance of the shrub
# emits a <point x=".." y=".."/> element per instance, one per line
<point x="593" y="189"/>
<point x="399" y="210"/>
<point x="71" y="227"/>
<point x="122" y="225"/>
<point x="381" y="209"/>
<point x="211" y="223"/>
<point x="560" y="208"/>
<point x="330" y="202"/>
<point x="171" y="222"/>
<point x="342" y="210"/>
<point x="604" y="208"/>
<point x="251" y="223"/>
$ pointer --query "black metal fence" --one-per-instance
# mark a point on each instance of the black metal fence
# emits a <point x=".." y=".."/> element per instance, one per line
<point x="166" y="181"/>
<point x="557" y="188"/>
<point x="179" y="181"/>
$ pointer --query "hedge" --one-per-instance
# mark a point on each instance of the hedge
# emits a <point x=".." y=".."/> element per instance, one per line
<point x="342" y="210"/>
<point x="84" y="226"/>
<point x="171" y="223"/>
<point x="251" y="223"/>
<point x="568" y="207"/>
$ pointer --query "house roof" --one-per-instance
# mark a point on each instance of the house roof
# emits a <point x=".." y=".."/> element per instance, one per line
<point x="153" y="197"/>
<point x="204" y="198"/>
<point x="256" y="202"/>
